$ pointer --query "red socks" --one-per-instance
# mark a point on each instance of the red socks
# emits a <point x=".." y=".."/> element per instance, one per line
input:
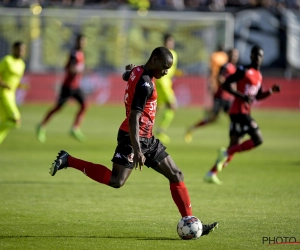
<point x="96" y="172"/>
<point x="201" y="123"/>
<point x="246" y="145"/>
<point x="181" y="198"/>
<point x="102" y="175"/>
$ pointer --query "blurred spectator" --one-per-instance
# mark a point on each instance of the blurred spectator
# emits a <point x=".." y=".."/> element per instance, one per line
<point x="190" y="5"/>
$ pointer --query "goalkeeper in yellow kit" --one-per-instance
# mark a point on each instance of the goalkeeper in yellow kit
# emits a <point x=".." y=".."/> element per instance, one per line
<point x="12" y="69"/>
<point x="166" y="99"/>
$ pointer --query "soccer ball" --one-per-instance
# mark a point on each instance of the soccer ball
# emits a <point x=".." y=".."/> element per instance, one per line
<point x="189" y="228"/>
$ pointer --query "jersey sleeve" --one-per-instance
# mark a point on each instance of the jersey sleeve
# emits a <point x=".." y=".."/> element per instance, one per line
<point x="143" y="90"/>
<point x="240" y="72"/>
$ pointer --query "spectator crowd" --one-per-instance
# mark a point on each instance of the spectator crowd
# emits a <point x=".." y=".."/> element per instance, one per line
<point x="181" y="5"/>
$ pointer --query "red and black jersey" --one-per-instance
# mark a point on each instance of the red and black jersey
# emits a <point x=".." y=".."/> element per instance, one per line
<point x="226" y="70"/>
<point x="140" y="95"/>
<point x="249" y="83"/>
<point x="72" y="80"/>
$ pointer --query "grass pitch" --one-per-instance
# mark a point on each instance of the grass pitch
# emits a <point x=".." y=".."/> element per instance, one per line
<point x="260" y="195"/>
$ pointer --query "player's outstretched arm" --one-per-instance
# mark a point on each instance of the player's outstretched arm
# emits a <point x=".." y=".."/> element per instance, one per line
<point x="264" y="94"/>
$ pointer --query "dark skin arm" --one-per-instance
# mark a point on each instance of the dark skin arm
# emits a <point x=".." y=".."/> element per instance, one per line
<point x="227" y="86"/>
<point x="128" y="69"/>
<point x="138" y="158"/>
<point x="262" y="95"/>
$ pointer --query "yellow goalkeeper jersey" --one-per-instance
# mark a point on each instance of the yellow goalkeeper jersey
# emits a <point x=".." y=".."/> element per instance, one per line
<point x="11" y="72"/>
<point x="164" y="88"/>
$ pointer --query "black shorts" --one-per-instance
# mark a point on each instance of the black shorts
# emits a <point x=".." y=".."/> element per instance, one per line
<point x="242" y="124"/>
<point x="152" y="148"/>
<point x="221" y="104"/>
<point x="66" y="93"/>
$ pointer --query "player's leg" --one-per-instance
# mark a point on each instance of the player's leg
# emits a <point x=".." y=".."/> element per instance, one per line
<point x="78" y="95"/>
<point x="167" y="118"/>
<point x="234" y="140"/>
<point x="41" y="128"/>
<point x="179" y="192"/>
<point x="249" y="126"/>
<point x="166" y="104"/>
<point x="9" y="116"/>
<point x="210" y="118"/>
<point x="99" y="173"/>
<point x="240" y="125"/>
<point x="158" y="159"/>
<point x="223" y="158"/>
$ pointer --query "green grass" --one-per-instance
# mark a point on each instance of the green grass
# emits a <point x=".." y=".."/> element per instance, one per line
<point x="260" y="196"/>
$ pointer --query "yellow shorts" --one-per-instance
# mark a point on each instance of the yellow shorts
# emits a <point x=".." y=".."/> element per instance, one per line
<point x="8" y="108"/>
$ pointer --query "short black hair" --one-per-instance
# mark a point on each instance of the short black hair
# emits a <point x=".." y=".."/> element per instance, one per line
<point x="255" y="49"/>
<point x="79" y="37"/>
<point x="167" y="36"/>
<point x="17" y="44"/>
<point x="161" y="52"/>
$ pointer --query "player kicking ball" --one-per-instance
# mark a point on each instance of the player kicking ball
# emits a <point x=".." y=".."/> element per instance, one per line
<point x="248" y="80"/>
<point x="136" y="144"/>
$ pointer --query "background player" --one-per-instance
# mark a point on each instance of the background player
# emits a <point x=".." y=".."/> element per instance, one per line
<point x="70" y="89"/>
<point x="217" y="60"/>
<point x="221" y="99"/>
<point x="248" y="81"/>
<point x="12" y="69"/>
<point x="136" y="144"/>
<point x="166" y="99"/>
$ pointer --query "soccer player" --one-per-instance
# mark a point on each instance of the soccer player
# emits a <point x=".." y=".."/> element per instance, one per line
<point x="217" y="60"/>
<point x="248" y="80"/>
<point x="221" y="99"/>
<point x="12" y="69"/>
<point x="166" y="99"/>
<point x="136" y="144"/>
<point x="70" y="89"/>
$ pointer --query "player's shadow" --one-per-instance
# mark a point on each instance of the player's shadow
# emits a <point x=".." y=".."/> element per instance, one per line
<point x="87" y="237"/>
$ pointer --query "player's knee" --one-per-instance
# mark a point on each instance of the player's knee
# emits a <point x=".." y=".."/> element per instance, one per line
<point x="177" y="177"/>
<point x="117" y="183"/>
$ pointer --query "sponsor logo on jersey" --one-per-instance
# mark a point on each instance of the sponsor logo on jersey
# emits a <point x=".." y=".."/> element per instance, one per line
<point x="130" y="157"/>
<point x="146" y="84"/>
<point x="118" y="155"/>
<point x="132" y="77"/>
